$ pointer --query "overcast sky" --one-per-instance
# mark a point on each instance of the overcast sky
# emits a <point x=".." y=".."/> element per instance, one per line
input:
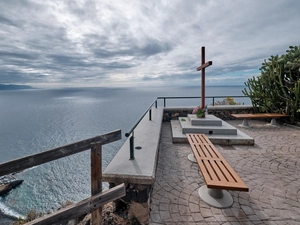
<point x="133" y="43"/>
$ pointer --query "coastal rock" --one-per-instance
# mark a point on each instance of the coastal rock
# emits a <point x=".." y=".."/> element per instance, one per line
<point x="5" y="188"/>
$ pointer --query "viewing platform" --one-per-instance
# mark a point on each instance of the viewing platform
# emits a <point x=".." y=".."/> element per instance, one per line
<point x="269" y="168"/>
<point x="162" y="182"/>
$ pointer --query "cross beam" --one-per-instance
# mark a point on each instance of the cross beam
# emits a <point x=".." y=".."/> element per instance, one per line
<point x="207" y="64"/>
<point x="202" y="68"/>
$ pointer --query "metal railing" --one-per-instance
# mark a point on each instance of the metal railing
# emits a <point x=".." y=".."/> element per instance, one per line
<point x="131" y="130"/>
<point x="207" y="97"/>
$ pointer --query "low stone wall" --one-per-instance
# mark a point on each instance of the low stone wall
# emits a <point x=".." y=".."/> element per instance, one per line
<point x="174" y="113"/>
<point x="224" y="111"/>
<point x="220" y="111"/>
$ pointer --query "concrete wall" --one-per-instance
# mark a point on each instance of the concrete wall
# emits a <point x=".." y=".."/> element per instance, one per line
<point x="221" y="111"/>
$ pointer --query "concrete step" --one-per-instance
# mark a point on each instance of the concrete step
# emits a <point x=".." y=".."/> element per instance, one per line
<point x="239" y="139"/>
<point x="206" y="127"/>
<point x="208" y="120"/>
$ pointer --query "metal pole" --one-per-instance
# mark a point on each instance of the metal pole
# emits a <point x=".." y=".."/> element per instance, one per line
<point x="164" y="102"/>
<point x="131" y="143"/>
<point x="150" y="114"/>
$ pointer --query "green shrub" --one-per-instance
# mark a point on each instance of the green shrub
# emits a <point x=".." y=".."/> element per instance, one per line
<point x="277" y="89"/>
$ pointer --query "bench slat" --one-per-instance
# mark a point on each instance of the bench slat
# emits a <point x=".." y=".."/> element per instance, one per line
<point x="216" y="171"/>
<point x="222" y="172"/>
<point x="207" y="171"/>
<point x="205" y="151"/>
<point x="204" y="146"/>
<point x="201" y="139"/>
<point x="227" y="174"/>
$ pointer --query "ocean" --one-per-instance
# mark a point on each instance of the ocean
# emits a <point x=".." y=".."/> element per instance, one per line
<point x="35" y="120"/>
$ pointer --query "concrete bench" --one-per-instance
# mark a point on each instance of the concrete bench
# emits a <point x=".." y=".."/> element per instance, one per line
<point x="218" y="175"/>
<point x="271" y="116"/>
<point x="142" y="169"/>
<point x="138" y="174"/>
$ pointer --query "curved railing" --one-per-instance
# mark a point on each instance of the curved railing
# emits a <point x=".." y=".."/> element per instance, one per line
<point x="131" y="130"/>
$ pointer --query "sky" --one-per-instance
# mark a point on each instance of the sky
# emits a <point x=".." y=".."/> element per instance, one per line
<point x="141" y="43"/>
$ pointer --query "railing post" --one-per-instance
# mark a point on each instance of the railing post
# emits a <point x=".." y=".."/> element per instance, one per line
<point x="156" y="104"/>
<point x="213" y="101"/>
<point x="150" y="114"/>
<point x="96" y="179"/>
<point x="164" y="102"/>
<point x="131" y="143"/>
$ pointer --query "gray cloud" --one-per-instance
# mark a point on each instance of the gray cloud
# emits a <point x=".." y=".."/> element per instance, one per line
<point x="126" y="42"/>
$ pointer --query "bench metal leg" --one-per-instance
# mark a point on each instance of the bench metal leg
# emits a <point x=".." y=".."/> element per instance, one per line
<point x="215" y="197"/>
<point x="245" y="123"/>
<point x="192" y="158"/>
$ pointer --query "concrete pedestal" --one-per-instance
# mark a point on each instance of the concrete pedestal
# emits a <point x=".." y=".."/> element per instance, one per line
<point x="216" y="198"/>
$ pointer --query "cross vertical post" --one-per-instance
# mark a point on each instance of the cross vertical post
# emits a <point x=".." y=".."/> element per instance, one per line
<point x="202" y="68"/>
<point x="203" y="78"/>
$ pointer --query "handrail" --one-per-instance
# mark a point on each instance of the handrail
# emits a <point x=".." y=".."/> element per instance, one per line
<point x="139" y="120"/>
<point x="97" y="199"/>
<point x="131" y="130"/>
<point x="191" y="97"/>
<point x="56" y="153"/>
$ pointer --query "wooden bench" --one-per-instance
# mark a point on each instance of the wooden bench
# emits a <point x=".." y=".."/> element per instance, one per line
<point x="217" y="173"/>
<point x="272" y="116"/>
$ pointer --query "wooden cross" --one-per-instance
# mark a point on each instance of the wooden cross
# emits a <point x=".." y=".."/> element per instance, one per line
<point x="202" y="68"/>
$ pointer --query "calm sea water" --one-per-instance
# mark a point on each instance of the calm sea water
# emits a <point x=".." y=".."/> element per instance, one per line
<point x="36" y="120"/>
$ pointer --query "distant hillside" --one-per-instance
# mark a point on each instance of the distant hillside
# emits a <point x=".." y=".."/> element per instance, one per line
<point x="13" y="87"/>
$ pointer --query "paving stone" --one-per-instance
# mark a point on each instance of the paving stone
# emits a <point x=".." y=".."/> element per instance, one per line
<point x="269" y="168"/>
<point x="176" y="217"/>
<point x="230" y="219"/>
<point x="206" y="212"/>
<point x="174" y="209"/>
<point x="164" y="207"/>
<point x="254" y="218"/>
<point x="165" y="216"/>
<point x="194" y="208"/>
<point x="220" y="218"/>
<point x="262" y="215"/>
<point x="197" y="217"/>
<point x="238" y="213"/>
<point x="247" y="210"/>
<point x="155" y="217"/>
<point x="184" y="210"/>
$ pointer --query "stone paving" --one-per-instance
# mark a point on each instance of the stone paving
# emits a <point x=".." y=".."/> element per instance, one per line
<point x="270" y="168"/>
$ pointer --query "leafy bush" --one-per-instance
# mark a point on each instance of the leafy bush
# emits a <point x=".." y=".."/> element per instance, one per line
<point x="277" y="89"/>
<point x="227" y="101"/>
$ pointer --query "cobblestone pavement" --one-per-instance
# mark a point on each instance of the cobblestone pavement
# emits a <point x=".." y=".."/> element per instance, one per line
<point x="270" y="168"/>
